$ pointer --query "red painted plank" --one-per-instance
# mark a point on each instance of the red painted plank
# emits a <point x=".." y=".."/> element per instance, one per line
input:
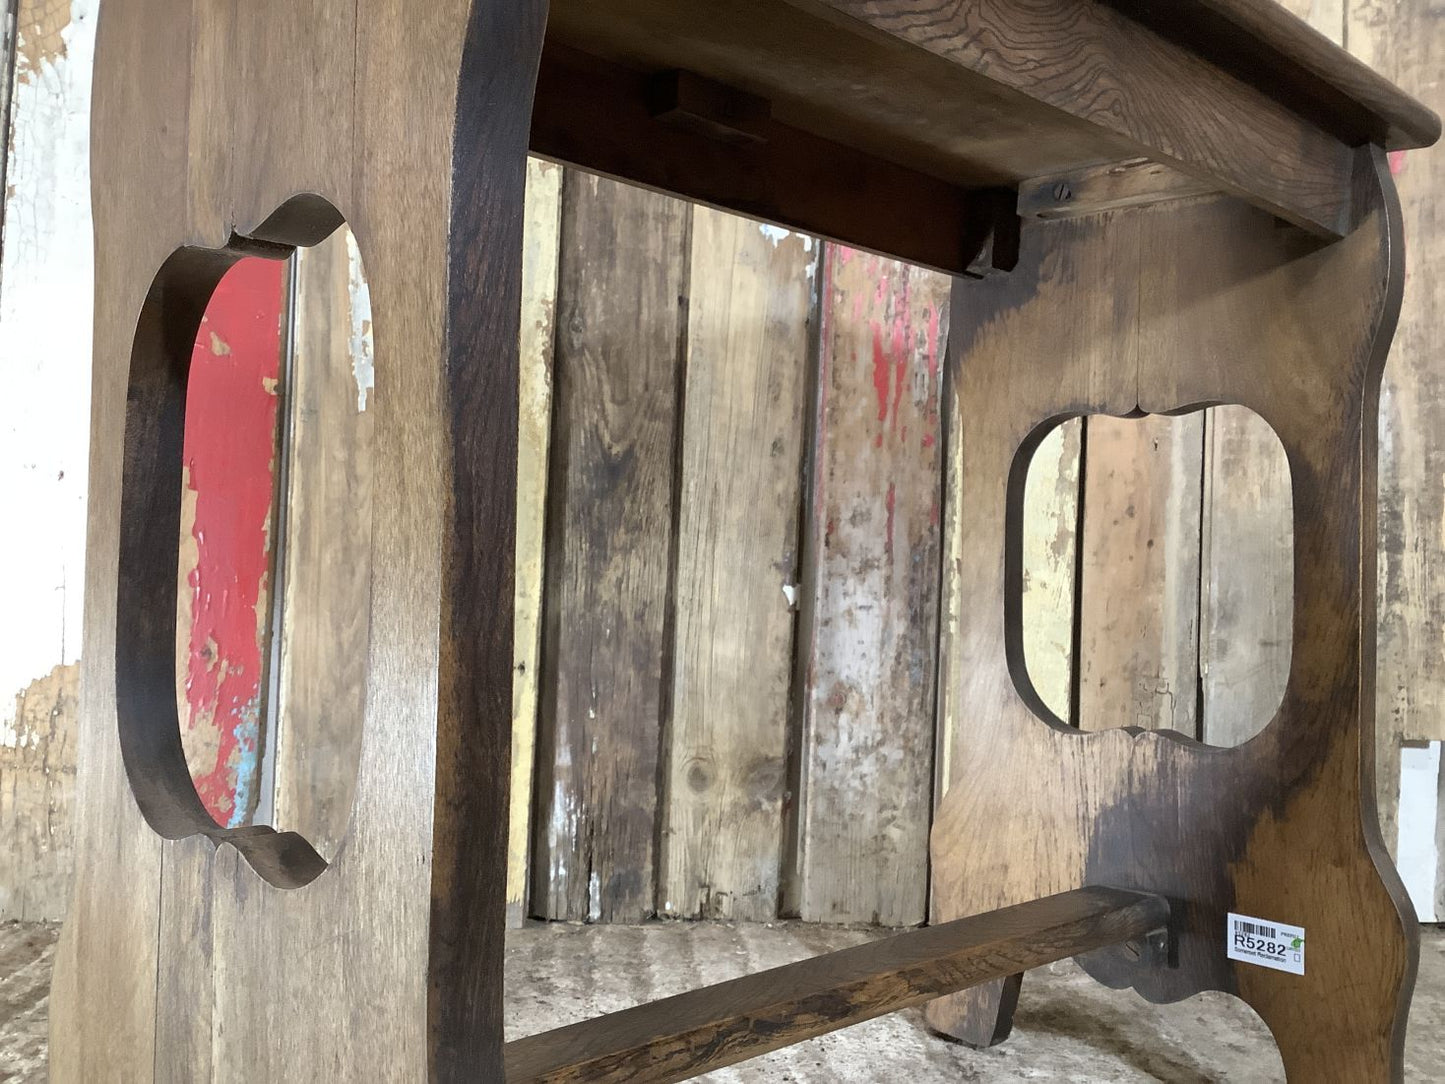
<point x="230" y="482"/>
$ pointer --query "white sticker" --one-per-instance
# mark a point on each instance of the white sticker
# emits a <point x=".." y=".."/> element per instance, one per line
<point x="1268" y="944"/>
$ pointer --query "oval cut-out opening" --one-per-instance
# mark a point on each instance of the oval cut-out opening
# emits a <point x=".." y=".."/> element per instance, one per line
<point x="1153" y="579"/>
<point x="252" y="401"/>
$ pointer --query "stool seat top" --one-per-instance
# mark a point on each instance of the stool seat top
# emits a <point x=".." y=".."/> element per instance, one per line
<point x="1239" y="94"/>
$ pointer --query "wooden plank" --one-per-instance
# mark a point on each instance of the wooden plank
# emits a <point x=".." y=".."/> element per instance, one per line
<point x="623" y="278"/>
<point x="1113" y="186"/>
<point x="683" y="1036"/>
<point x="750" y="296"/>
<point x="539" y="309"/>
<point x="1050" y="557"/>
<point x="326" y="549"/>
<point x="598" y="116"/>
<point x="1405" y="39"/>
<point x="229" y="502"/>
<point x="1051" y="528"/>
<point x="872" y="569"/>
<point x="1264" y="42"/>
<point x="1139" y="574"/>
<point x="1154" y="94"/>
<point x="1247" y="595"/>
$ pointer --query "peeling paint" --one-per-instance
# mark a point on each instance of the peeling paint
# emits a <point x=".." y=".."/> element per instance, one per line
<point x="37" y="766"/>
<point x="229" y="460"/>
<point x="44" y="41"/>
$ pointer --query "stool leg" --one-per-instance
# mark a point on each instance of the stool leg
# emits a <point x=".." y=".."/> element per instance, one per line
<point x="981" y="1017"/>
<point x="1157" y="311"/>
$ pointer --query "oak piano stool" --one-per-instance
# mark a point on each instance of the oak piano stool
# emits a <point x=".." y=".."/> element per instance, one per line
<point x="1147" y="207"/>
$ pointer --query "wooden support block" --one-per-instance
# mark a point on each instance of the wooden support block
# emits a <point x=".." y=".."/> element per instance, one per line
<point x="712" y="109"/>
<point x="599" y="117"/>
<point x="693" y="1033"/>
<point x="1137" y="182"/>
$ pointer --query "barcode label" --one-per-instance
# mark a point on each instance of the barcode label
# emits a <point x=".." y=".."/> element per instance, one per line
<point x="1256" y="929"/>
<point x="1266" y="944"/>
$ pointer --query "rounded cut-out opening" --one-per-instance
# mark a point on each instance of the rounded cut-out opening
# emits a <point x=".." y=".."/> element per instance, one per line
<point x="1151" y="579"/>
<point x="245" y="549"/>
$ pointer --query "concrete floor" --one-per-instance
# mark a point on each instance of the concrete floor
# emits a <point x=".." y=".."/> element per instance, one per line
<point x="1067" y="1029"/>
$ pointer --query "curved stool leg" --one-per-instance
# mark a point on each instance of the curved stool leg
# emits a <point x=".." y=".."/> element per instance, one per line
<point x="1159" y="311"/>
<point x="222" y="129"/>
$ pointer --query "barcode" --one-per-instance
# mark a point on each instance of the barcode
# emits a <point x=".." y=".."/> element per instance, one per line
<point x="1255" y="929"/>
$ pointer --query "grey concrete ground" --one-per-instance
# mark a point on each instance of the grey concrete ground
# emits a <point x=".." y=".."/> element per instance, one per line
<point x="1067" y="1027"/>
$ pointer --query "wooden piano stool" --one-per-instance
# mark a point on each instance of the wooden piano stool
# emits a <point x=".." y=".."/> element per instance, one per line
<point x="1147" y="207"/>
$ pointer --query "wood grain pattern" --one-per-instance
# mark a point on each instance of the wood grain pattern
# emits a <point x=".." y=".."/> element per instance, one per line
<point x="1266" y="42"/>
<point x="1247" y="590"/>
<point x="1139" y="574"/>
<point x="598" y="116"/>
<point x="749" y="300"/>
<point x="1050" y="560"/>
<point x="1099" y="86"/>
<point x="1095" y="63"/>
<point x="1284" y="827"/>
<point x="325" y="583"/>
<point x="870" y="595"/>
<point x="258" y="129"/>
<point x="1050" y="557"/>
<point x="1247" y="564"/>
<point x="1113" y="186"/>
<point x="406" y="901"/>
<point x="611" y="513"/>
<point x="680" y="1037"/>
<point x="539" y="324"/>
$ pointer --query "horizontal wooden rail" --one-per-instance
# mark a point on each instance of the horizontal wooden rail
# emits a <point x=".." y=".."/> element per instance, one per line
<point x="601" y="117"/>
<point x="679" y="1037"/>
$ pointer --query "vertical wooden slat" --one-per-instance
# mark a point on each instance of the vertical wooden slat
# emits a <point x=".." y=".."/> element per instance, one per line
<point x="1405" y="41"/>
<point x="871" y="583"/>
<point x="1139" y="572"/>
<point x="1247" y="597"/>
<point x="747" y="356"/>
<point x="623" y="275"/>
<point x="326" y="550"/>
<point x="539" y="308"/>
<point x="228" y="528"/>
<point x="1050" y="543"/>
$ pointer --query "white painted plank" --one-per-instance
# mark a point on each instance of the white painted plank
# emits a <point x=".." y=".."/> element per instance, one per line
<point x="1419" y="814"/>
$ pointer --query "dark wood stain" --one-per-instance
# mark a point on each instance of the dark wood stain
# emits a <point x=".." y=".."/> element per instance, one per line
<point x="1283" y="827"/>
<point x="411" y="122"/>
